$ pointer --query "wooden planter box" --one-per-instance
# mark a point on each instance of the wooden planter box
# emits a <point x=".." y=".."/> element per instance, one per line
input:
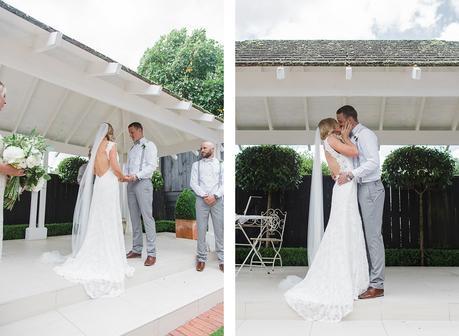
<point x="186" y="228"/>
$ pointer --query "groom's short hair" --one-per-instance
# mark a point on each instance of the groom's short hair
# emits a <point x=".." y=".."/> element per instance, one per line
<point x="136" y="125"/>
<point x="348" y="111"/>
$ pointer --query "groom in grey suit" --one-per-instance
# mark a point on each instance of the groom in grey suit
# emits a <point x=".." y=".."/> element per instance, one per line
<point x="141" y="164"/>
<point x="371" y="195"/>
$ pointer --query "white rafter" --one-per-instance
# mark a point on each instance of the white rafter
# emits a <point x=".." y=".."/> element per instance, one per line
<point x="26" y="103"/>
<point x="420" y="113"/>
<point x="150" y="90"/>
<point x="381" y="113"/>
<point x="75" y="128"/>
<point x="53" y="40"/>
<point x="104" y="69"/>
<point x="268" y="114"/>
<point x="456" y="118"/>
<point x="56" y="112"/>
<point x="306" y="113"/>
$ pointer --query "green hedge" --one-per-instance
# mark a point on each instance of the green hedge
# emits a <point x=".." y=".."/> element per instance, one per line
<point x="297" y="256"/>
<point x="185" y="205"/>
<point x="61" y="229"/>
<point x="218" y="332"/>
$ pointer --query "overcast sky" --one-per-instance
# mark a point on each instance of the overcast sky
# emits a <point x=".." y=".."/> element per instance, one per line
<point x="352" y="19"/>
<point x="123" y="30"/>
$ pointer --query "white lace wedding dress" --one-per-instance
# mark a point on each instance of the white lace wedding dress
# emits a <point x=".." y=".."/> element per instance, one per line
<point x="339" y="272"/>
<point x="100" y="264"/>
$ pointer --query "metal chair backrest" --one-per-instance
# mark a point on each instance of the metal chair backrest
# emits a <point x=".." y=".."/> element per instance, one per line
<point x="248" y="203"/>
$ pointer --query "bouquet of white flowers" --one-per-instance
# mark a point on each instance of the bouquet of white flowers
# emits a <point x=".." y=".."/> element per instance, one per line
<point x="24" y="152"/>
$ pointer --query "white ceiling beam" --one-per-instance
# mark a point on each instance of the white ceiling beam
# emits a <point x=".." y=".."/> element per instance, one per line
<point x="306" y="113"/>
<point x="255" y="137"/>
<point x="150" y="90"/>
<point x="56" y="112"/>
<point x="381" y="113"/>
<point x="197" y="115"/>
<point x="179" y="148"/>
<point x="330" y="83"/>
<point x="75" y="128"/>
<point x="25" y="103"/>
<point x="455" y="123"/>
<point x="43" y="66"/>
<point x="56" y="146"/>
<point x="268" y="114"/>
<point x="104" y="69"/>
<point x="53" y="40"/>
<point x="422" y="105"/>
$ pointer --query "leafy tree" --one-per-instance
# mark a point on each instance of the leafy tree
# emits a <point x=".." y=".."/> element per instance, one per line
<point x="188" y="65"/>
<point x="307" y="161"/>
<point x="419" y="168"/>
<point x="157" y="180"/>
<point x="68" y="169"/>
<point x="268" y="168"/>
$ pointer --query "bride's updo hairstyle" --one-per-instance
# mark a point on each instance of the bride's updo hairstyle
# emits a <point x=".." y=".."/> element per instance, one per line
<point x="110" y="136"/>
<point x="327" y="126"/>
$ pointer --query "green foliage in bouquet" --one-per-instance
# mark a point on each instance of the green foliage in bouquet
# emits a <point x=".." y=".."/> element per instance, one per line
<point x="268" y="168"/>
<point x="157" y="180"/>
<point x="68" y="169"/>
<point x="419" y="168"/>
<point x="24" y="152"/>
<point x="185" y="205"/>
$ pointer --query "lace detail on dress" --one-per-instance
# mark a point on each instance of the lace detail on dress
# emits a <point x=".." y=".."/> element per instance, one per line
<point x="101" y="264"/>
<point x="344" y="162"/>
<point x="339" y="272"/>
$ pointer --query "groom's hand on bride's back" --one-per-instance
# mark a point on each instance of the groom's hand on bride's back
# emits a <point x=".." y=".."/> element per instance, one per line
<point x="342" y="178"/>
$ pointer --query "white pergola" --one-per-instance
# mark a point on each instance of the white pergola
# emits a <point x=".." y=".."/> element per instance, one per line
<point x="64" y="90"/>
<point x="402" y="110"/>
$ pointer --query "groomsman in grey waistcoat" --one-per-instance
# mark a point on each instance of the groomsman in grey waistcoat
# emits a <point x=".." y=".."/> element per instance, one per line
<point x="207" y="184"/>
<point x="142" y="162"/>
<point x="371" y="196"/>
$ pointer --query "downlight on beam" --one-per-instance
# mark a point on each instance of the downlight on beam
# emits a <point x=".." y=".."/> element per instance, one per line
<point x="280" y="73"/>
<point x="348" y="72"/>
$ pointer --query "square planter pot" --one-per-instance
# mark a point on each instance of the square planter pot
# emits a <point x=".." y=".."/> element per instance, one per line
<point x="186" y="228"/>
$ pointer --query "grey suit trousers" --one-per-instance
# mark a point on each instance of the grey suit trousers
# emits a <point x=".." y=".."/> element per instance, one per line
<point x="140" y="202"/>
<point x="202" y="219"/>
<point x="371" y="200"/>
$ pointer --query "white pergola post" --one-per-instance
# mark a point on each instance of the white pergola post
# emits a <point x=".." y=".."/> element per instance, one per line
<point x="38" y="230"/>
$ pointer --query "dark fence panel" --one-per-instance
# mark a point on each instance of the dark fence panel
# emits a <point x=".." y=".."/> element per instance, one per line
<point x="400" y="218"/>
<point x="60" y="203"/>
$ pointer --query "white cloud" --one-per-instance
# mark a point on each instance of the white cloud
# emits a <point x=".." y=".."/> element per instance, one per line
<point x="123" y="30"/>
<point x="331" y="19"/>
<point x="451" y="32"/>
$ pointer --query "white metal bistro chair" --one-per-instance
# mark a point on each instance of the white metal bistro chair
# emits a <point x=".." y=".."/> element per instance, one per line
<point x="273" y="235"/>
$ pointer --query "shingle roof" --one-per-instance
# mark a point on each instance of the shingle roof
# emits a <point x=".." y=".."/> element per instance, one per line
<point x="347" y="52"/>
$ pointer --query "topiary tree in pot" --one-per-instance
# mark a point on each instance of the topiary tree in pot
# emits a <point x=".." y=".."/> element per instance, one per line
<point x="418" y="168"/>
<point x="268" y="168"/>
<point x="185" y="215"/>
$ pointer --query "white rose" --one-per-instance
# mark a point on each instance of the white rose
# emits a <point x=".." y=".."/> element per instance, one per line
<point x="22" y="163"/>
<point x="13" y="154"/>
<point x="33" y="161"/>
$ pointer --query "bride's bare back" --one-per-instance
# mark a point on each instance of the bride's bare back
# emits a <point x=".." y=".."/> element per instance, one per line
<point x="102" y="163"/>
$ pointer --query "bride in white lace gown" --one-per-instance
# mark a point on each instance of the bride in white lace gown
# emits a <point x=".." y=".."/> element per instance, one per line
<point x="339" y="272"/>
<point x="98" y="259"/>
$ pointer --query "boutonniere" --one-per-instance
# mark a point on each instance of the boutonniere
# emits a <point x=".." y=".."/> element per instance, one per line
<point x="143" y="146"/>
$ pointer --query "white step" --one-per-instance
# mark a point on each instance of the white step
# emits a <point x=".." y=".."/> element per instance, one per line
<point x="163" y="296"/>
